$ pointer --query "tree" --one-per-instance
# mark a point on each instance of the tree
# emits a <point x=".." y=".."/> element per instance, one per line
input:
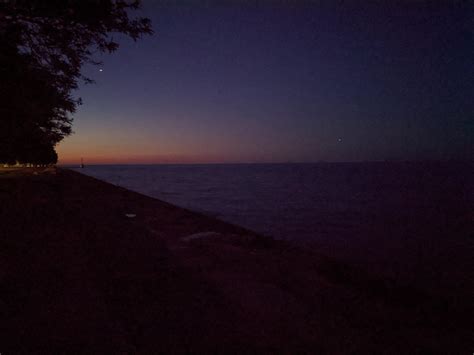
<point x="28" y="109"/>
<point x="44" y="45"/>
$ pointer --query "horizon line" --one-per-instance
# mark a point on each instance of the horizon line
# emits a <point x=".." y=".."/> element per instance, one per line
<point x="283" y="162"/>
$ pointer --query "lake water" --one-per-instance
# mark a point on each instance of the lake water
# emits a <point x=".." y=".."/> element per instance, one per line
<point x="406" y="219"/>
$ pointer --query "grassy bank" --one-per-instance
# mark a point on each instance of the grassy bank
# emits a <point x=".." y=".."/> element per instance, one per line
<point x="87" y="266"/>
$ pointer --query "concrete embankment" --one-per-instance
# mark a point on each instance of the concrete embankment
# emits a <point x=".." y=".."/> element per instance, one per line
<point x="90" y="267"/>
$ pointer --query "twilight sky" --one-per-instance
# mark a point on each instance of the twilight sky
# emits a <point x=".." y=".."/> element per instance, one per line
<point x="276" y="82"/>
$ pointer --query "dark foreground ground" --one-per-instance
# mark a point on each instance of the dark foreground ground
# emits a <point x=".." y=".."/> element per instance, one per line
<point x="79" y="276"/>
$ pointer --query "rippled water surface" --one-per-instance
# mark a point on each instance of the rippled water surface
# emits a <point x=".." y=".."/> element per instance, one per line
<point x="403" y="217"/>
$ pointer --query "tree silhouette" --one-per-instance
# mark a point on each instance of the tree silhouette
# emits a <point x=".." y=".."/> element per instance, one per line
<point x="44" y="45"/>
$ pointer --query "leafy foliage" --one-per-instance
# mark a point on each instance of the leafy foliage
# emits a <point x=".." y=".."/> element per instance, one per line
<point x="44" y="45"/>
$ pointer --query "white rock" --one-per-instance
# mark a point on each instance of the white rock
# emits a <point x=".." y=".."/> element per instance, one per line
<point x="200" y="236"/>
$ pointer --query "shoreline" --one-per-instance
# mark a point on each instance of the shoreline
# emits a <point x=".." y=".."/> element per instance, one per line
<point x="82" y="276"/>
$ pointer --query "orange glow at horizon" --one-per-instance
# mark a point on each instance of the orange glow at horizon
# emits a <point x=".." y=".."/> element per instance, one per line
<point x="140" y="159"/>
<point x="71" y="154"/>
<point x="119" y="145"/>
<point x="128" y="149"/>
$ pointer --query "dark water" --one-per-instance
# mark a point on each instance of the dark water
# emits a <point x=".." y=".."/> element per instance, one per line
<point x="409" y="220"/>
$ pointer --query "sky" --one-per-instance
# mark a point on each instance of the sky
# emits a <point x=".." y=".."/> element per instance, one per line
<point x="245" y="82"/>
